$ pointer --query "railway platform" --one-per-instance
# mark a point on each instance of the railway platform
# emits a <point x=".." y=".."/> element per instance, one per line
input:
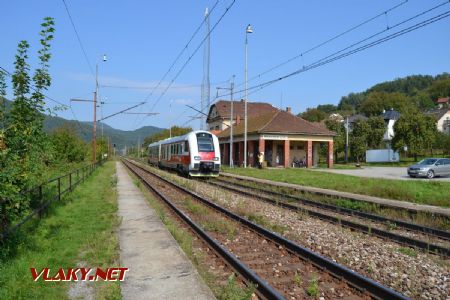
<point x="158" y="268"/>
<point x="377" y="200"/>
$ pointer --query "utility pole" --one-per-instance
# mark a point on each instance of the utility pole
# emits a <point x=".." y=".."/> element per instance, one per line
<point x="248" y="30"/>
<point x="346" y="141"/>
<point x="94" y="128"/>
<point x="231" y="88"/>
<point x="205" y="93"/>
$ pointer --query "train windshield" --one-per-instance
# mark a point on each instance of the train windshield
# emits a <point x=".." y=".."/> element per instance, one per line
<point x="205" y="142"/>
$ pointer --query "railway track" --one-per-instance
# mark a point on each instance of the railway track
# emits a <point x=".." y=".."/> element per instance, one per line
<point x="278" y="267"/>
<point x="412" y="235"/>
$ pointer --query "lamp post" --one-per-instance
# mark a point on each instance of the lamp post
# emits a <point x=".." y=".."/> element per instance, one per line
<point x="248" y="30"/>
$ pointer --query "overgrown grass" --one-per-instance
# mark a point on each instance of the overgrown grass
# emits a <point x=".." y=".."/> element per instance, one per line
<point x="423" y="192"/>
<point x="78" y="230"/>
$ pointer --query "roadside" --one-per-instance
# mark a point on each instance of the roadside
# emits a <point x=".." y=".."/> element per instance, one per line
<point x="79" y="231"/>
<point x="381" y="172"/>
<point x="417" y="191"/>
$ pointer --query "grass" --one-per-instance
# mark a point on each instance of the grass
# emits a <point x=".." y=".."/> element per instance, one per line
<point x="313" y="288"/>
<point x="81" y="228"/>
<point x="422" y="192"/>
<point x="230" y="290"/>
<point x="408" y="251"/>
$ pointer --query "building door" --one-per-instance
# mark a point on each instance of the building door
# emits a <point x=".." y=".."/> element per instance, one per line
<point x="279" y="158"/>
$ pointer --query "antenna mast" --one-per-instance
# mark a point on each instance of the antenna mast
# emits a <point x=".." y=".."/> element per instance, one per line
<point x="205" y="93"/>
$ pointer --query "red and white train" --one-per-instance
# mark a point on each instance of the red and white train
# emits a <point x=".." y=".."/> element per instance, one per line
<point x="194" y="154"/>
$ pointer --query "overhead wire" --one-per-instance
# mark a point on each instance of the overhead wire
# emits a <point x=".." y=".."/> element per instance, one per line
<point x="191" y="56"/>
<point x="178" y="56"/>
<point x="79" y="39"/>
<point x="324" y="42"/>
<point x="334" y="57"/>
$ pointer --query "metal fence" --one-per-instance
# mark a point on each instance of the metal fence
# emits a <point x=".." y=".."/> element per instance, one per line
<point x="43" y="195"/>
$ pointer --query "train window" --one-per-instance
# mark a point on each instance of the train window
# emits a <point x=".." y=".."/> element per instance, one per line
<point x="186" y="146"/>
<point x="205" y="142"/>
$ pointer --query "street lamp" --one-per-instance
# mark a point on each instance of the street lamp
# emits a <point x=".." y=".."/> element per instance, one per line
<point x="248" y="30"/>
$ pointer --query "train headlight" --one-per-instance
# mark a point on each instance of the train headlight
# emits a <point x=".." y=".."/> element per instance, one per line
<point x="216" y="159"/>
<point x="197" y="157"/>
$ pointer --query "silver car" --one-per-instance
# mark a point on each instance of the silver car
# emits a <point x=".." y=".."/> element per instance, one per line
<point x="430" y="167"/>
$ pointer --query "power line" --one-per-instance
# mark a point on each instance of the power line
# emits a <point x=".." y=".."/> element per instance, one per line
<point x="177" y="58"/>
<point x="79" y="39"/>
<point x="334" y="57"/>
<point x="323" y="43"/>
<point x="191" y="56"/>
<point x="327" y="41"/>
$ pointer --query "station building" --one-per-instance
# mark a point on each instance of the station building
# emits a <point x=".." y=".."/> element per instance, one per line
<point x="280" y="135"/>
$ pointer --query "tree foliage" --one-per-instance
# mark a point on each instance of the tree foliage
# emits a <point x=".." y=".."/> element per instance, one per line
<point x="377" y="128"/>
<point x="164" y="134"/>
<point x="67" y="145"/>
<point x="415" y="131"/>
<point x="358" y="137"/>
<point x="313" y="115"/>
<point x="339" y="139"/>
<point x="24" y="146"/>
<point x="376" y="102"/>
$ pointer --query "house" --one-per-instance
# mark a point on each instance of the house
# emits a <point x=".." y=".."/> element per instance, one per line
<point x="442" y="117"/>
<point x="443" y="102"/>
<point x="220" y="113"/>
<point x="390" y="117"/>
<point x="353" y="119"/>
<point x="280" y="135"/>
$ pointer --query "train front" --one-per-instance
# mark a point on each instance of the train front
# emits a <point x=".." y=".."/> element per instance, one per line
<point x="205" y="154"/>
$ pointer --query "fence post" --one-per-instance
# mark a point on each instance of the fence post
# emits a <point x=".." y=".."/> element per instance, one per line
<point x="70" y="181"/>
<point x="59" y="188"/>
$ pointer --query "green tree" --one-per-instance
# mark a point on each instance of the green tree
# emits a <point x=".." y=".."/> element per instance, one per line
<point x="67" y="145"/>
<point x="358" y="139"/>
<point x="24" y="142"/>
<point x="327" y="108"/>
<point x="414" y="130"/>
<point x="339" y="139"/>
<point x="313" y="115"/>
<point x="352" y="102"/>
<point x="164" y="134"/>
<point x="376" y="102"/>
<point x="440" y="89"/>
<point x="377" y="129"/>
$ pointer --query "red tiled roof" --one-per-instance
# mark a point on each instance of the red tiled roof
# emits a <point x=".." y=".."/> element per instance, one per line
<point x="278" y="122"/>
<point x="223" y="108"/>
<point x="443" y="100"/>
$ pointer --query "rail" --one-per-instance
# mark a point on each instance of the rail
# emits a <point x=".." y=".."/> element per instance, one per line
<point x="374" y="289"/>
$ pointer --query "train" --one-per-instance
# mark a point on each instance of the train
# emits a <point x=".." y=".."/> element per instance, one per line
<point x="195" y="154"/>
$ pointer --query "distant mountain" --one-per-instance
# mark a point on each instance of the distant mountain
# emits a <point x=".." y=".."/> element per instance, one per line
<point x="84" y="129"/>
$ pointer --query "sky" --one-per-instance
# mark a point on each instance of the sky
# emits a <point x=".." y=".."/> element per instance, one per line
<point x="143" y="38"/>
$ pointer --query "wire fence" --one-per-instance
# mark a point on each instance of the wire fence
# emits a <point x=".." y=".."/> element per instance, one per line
<point x="43" y="195"/>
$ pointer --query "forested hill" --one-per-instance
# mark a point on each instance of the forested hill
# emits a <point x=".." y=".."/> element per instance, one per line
<point x="84" y="129"/>
<point x="416" y="91"/>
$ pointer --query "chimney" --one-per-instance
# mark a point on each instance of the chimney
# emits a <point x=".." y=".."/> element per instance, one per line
<point x="238" y="119"/>
<point x="289" y="109"/>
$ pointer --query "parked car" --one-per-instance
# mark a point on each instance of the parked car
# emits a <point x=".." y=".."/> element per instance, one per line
<point x="430" y="167"/>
